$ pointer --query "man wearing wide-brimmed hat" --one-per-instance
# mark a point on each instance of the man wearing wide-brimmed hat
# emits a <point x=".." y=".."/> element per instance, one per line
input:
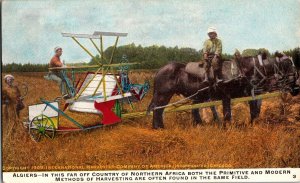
<point x="212" y="50"/>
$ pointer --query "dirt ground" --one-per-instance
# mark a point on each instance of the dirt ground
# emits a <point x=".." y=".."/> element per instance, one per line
<point x="274" y="140"/>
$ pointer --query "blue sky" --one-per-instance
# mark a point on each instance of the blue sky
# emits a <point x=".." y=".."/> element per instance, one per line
<point x="31" y="29"/>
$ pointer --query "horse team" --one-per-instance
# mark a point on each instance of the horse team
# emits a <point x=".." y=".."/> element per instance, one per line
<point x="280" y="73"/>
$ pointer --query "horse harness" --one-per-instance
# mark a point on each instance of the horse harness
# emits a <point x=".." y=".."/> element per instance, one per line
<point x="278" y="73"/>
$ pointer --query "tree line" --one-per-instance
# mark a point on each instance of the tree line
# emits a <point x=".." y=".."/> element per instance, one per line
<point x="150" y="57"/>
<point x="28" y="67"/>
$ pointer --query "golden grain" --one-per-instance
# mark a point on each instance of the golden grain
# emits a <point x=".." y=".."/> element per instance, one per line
<point x="272" y="142"/>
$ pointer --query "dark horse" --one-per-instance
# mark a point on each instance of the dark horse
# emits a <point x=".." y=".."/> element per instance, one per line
<point x="296" y="58"/>
<point x="173" y="79"/>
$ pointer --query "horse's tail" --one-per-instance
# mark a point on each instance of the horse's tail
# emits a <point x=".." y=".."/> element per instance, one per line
<point x="165" y="83"/>
<point x="150" y="107"/>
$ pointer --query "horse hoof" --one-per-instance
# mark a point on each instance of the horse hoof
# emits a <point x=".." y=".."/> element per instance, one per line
<point x="157" y="127"/>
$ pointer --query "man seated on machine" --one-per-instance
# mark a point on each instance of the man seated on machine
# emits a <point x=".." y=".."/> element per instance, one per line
<point x="212" y="50"/>
<point x="55" y="75"/>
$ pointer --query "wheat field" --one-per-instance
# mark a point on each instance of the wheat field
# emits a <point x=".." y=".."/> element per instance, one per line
<point x="273" y="141"/>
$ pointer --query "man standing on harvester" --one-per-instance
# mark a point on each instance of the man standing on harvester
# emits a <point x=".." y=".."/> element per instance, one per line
<point x="212" y="51"/>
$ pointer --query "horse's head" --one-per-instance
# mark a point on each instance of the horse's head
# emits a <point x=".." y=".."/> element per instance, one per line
<point x="291" y="73"/>
<point x="296" y="60"/>
<point x="237" y="54"/>
<point x="296" y="57"/>
<point x="244" y="63"/>
<point x="255" y="74"/>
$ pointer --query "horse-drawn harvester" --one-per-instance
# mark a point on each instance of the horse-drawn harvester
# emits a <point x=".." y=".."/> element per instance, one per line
<point x="106" y="90"/>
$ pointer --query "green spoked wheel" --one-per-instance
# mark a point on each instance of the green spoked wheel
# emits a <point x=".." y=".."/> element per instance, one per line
<point x="41" y="126"/>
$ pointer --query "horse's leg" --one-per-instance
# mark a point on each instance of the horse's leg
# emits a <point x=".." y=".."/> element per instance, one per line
<point x="259" y="102"/>
<point x="158" y="119"/>
<point x="253" y="110"/>
<point x="159" y="100"/>
<point x="226" y="101"/>
<point x="255" y="106"/>
<point x="215" y="113"/>
<point x="196" y="115"/>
